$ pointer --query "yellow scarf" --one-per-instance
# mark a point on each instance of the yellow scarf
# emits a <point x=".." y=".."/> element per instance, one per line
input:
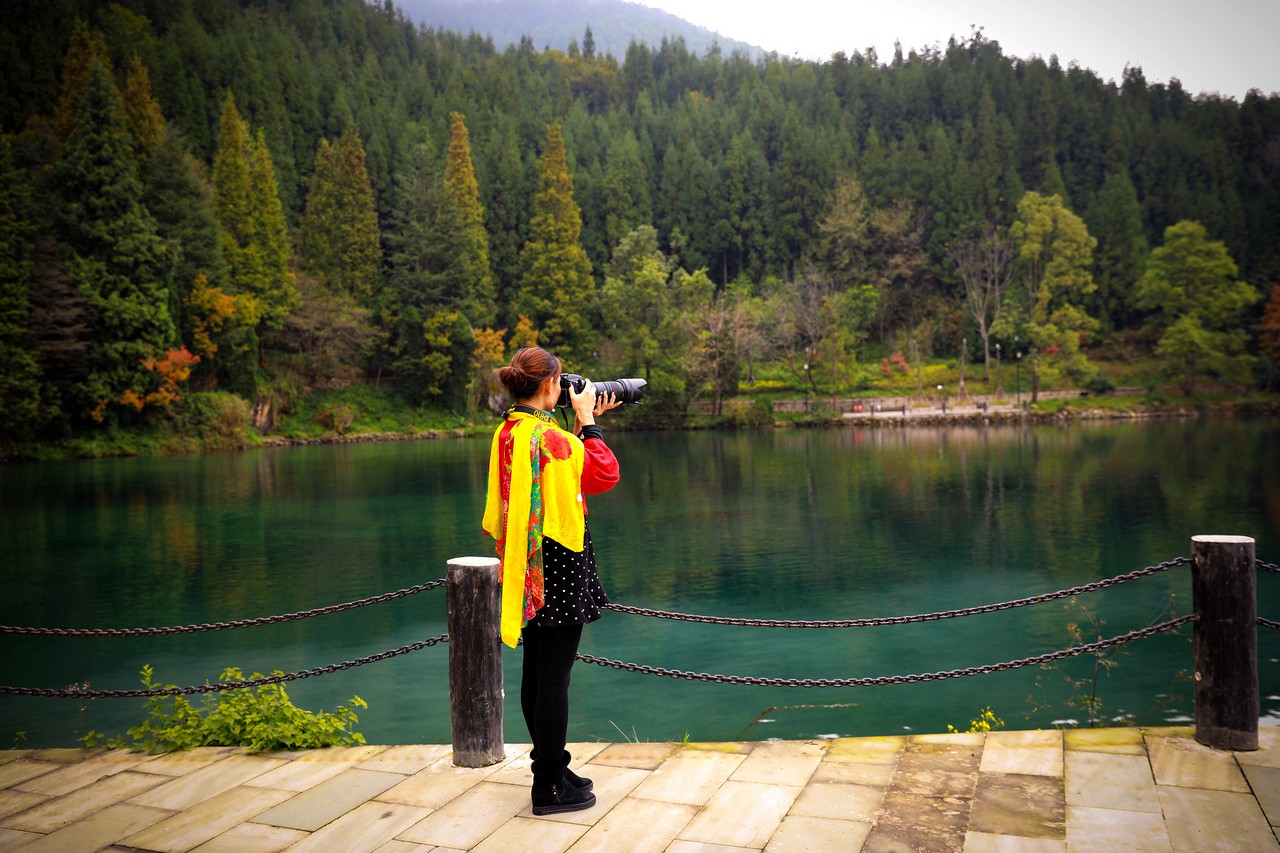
<point x="535" y="491"/>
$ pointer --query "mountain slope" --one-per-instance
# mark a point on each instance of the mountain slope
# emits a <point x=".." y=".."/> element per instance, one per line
<point x="555" y="23"/>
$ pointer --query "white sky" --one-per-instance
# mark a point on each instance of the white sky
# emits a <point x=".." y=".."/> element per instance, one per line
<point x="1225" y="46"/>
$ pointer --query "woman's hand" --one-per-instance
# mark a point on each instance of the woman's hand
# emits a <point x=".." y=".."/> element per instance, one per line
<point x="604" y="404"/>
<point x="583" y="403"/>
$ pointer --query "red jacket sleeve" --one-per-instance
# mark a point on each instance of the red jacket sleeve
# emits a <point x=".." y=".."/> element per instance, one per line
<point x="599" y="468"/>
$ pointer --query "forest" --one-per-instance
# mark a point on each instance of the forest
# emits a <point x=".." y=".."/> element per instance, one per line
<point x="212" y="211"/>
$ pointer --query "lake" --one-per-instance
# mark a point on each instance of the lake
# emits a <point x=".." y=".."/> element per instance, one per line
<point x="786" y="524"/>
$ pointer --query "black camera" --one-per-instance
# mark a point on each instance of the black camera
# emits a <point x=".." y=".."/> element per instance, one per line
<point x="625" y="391"/>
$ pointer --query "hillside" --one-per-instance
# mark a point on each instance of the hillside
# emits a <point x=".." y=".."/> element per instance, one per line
<point x="556" y="23"/>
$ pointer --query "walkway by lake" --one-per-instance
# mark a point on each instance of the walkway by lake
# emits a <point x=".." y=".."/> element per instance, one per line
<point x="1152" y="789"/>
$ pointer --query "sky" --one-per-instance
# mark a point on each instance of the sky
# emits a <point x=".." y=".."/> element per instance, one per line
<point x="1224" y="46"/>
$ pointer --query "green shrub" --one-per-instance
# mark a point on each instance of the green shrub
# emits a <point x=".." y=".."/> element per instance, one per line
<point x="335" y="417"/>
<point x="261" y="718"/>
<point x="1099" y="385"/>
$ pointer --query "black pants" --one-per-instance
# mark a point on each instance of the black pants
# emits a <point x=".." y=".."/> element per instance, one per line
<point x="544" y="694"/>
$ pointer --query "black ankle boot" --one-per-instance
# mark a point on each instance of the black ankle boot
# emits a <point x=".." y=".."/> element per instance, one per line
<point x="559" y="796"/>
<point x="582" y="783"/>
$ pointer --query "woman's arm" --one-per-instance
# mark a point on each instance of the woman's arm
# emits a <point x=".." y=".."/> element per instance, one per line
<point x="600" y="466"/>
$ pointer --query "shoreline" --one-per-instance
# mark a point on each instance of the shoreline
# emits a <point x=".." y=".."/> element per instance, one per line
<point x="897" y="418"/>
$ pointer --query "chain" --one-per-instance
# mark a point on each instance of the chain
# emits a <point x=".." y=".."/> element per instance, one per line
<point x="85" y="693"/>
<point x="903" y="620"/>
<point x="1270" y="567"/>
<point x="1268" y="623"/>
<point x="1090" y="648"/>
<point x="219" y="626"/>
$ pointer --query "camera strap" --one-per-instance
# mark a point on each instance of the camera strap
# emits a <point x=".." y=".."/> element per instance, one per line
<point x="530" y="410"/>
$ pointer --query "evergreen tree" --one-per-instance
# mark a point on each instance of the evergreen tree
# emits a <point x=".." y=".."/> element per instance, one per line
<point x="146" y="122"/>
<point x="1190" y="283"/>
<point x="118" y="257"/>
<point x="1116" y="217"/>
<point x="177" y="195"/>
<point x="20" y="378"/>
<point x="83" y="48"/>
<point x="340" y="240"/>
<point x="273" y="284"/>
<point x="460" y="177"/>
<point x="317" y="243"/>
<point x="557" y="289"/>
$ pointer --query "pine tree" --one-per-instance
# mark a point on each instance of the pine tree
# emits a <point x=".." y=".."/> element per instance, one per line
<point x="1116" y="217"/>
<point x="317" y="244"/>
<point x="20" y="383"/>
<point x="83" y="48"/>
<point x="231" y="184"/>
<point x="269" y="242"/>
<point x="557" y="289"/>
<point x="118" y="257"/>
<point x="460" y="178"/>
<point x="146" y="122"/>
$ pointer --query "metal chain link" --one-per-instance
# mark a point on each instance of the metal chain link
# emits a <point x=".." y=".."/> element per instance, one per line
<point x="86" y="693"/>
<point x="1268" y="623"/>
<point x="1088" y="648"/>
<point x="220" y="626"/>
<point x="1270" y="567"/>
<point x="902" y="620"/>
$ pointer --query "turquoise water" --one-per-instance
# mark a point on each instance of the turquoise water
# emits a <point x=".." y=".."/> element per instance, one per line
<point x="793" y="524"/>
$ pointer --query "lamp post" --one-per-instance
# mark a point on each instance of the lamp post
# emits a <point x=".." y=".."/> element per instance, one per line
<point x="999" y="378"/>
<point x="942" y="401"/>
<point x="1018" y="391"/>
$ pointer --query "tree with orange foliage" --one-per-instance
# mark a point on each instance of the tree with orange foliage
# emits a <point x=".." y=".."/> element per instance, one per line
<point x="172" y="370"/>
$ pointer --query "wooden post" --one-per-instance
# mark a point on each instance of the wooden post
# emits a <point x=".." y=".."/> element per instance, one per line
<point x="475" y="661"/>
<point x="1224" y="585"/>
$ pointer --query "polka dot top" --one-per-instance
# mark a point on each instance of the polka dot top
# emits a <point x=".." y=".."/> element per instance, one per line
<point x="572" y="589"/>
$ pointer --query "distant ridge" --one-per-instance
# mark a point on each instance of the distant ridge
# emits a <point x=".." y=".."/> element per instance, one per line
<point x="555" y="23"/>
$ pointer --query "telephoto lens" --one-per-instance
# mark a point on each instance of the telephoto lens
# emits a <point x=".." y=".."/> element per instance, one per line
<point x="625" y="391"/>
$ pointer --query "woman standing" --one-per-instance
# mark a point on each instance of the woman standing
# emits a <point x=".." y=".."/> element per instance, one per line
<point x="535" y="510"/>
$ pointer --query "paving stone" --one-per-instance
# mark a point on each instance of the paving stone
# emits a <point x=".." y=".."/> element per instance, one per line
<point x="407" y="759"/>
<point x="396" y="846"/>
<point x="1180" y="761"/>
<point x="208" y="781"/>
<point x="66" y="755"/>
<point x="1265" y="782"/>
<point x="1032" y="753"/>
<point x="636" y="826"/>
<point x="99" y="830"/>
<point x="434" y="788"/>
<point x="1111" y="781"/>
<point x="734" y="747"/>
<point x="840" y="801"/>
<point x="329" y="800"/>
<point x="514" y="769"/>
<point x="742" y="814"/>
<point x="702" y="847"/>
<point x="1200" y="821"/>
<point x="312" y="767"/>
<point x="781" y="763"/>
<point x="56" y="813"/>
<point x="12" y="802"/>
<point x="1122" y="741"/>
<point x="1268" y="752"/>
<point x="81" y="773"/>
<point x="612" y="784"/>
<point x="12" y="839"/>
<point x="184" y="762"/>
<point x="800" y="834"/>
<point x="982" y="842"/>
<point x="471" y="817"/>
<point x="641" y="756"/>
<point x="691" y="776"/>
<point x="363" y="829"/>
<point x="851" y="772"/>
<point x="252" y="838"/>
<point x="1016" y="804"/>
<point x="520" y="834"/>
<point x="1116" y="831"/>
<point x="865" y="751"/>
<point x="15" y="773"/>
<point x="926" y="806"/>
<point x="205" y="821"/>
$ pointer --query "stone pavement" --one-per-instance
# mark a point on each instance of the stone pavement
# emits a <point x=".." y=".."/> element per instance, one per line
<point x="1081" y="790"/>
